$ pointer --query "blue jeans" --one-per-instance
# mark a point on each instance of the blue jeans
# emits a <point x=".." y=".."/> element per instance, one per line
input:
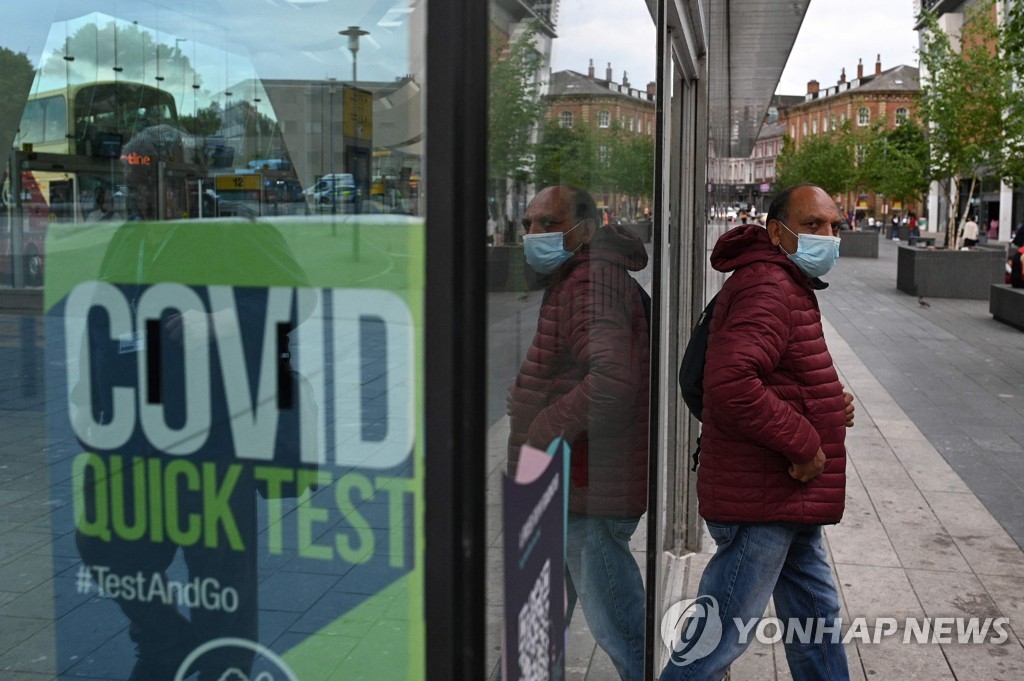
<point x="606" y="577"/>
<point x="752" y="563"/>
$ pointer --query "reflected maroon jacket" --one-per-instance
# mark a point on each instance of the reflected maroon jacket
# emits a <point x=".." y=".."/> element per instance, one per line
<point x="586" y="376"/>
<point x="771" y="393"/>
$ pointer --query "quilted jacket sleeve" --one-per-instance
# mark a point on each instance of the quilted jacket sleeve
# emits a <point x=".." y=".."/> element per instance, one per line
<point x="599" y="319"/>
<point x="749" y="335"/>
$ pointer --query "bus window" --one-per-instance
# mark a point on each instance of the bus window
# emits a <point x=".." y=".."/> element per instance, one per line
<point x="104" y="110"/>
<point x="44" y="120"/>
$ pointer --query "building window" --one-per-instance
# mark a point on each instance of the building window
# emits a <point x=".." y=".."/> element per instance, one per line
<point x="804" y="127"/>
<point x="860" y="153"/>
<point x="604" y="119"/>
<point x="832" y="122"/>
<point x="902" y="114"/>
<point x="824" y="124"/>
<point x="602" y="154"/>
<point x="814" y="126"/>
<point x="792" y="131"/>
<point x="567" y="119"/>
<point x="863" y="116"/>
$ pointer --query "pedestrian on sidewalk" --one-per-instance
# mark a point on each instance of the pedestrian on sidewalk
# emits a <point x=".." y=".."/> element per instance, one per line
<point x="586" y="377"/>
<point x="773" y="457"/>
<point x="970" y="236"/>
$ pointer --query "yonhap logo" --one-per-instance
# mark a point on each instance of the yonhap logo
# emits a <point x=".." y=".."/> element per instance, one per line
<point x="691" y="629"/>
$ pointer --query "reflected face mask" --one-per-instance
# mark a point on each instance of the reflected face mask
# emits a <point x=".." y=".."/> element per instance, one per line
<point x="545" y="253"/>
<point x="815" y="254"/>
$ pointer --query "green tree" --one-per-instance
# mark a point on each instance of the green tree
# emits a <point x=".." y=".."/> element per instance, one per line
<point x="631" y="167"/>
<point x="206" y="121"/>
<point x="139" y="56"/>
<point x="826" y="160"/>
<point x="569" y="156"/>
<point x="16" y="74"/>
<point x="895" y="162"/>
<point x="971" y="105"/>
<point x="514" y="110"/>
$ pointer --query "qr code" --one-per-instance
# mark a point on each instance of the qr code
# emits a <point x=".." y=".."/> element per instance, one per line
<point x="535" y="629"/>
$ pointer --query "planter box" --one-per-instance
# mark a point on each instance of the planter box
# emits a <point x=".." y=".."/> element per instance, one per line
<point x="641" y="229"/>
<point x="1007" y="304"/>
<point x="858" y="245"/>
<point x="507" y="270"/>
<point x="940" y="273"/>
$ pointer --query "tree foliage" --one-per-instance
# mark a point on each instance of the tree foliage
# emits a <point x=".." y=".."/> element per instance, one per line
<point x="970" y="102"/>
<point x="631" y="166"/>
<point x="895" y="162"/>
<point x="138" y="54"/>
<point x="826" y="160"/>
<point x="514" y="106"/>
<point x="16" y="74"/>
<point x="568" y="156"/>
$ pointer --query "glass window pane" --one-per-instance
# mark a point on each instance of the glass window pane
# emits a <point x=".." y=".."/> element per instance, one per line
<point x="213" y="213"/>
<point x="570" y="198"/>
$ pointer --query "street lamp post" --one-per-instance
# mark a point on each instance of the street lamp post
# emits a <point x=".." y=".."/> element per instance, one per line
<point x="354" y="33"/>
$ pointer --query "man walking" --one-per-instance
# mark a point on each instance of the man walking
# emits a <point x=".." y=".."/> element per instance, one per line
<point x="773" y="459"/>
<point x="586" y="378"/>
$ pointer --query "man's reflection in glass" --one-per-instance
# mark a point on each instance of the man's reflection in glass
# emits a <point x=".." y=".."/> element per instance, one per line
<point x="586" y="378"/>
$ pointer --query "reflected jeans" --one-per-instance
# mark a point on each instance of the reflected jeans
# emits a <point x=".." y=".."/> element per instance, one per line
<point x="752" y="563"/>
<point x="602" y="572"/>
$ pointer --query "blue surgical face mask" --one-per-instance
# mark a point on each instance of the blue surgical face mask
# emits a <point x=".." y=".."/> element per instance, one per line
<point x="815" y="254"/>
<point x="545" y="253"/>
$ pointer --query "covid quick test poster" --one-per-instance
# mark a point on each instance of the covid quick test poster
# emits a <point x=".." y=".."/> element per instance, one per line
<point x="235" y="453"/>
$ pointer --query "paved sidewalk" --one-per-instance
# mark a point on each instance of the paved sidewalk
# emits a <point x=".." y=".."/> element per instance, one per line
<point x="915" y="543"/>
<point x="939" y="391"/>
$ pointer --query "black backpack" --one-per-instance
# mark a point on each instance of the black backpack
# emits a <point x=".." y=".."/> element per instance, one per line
<point x="691" y="369"/>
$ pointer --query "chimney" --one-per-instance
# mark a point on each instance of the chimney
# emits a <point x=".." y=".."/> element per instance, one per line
<point x="608" y="73"/>
<point x="625" y="80"/>
<point x="842" y="76"/>
<point x="860" y="69"/>
<point x="652" y="88"/>
<point x="878" y="66"/>
<point x="590" y="70"/>
<point x="812" y="87"/>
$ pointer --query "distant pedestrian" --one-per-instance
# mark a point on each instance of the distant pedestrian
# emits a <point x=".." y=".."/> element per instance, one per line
<point x="1016" y="265"/>
<point x="970" y="235"/>
<point x="1018" y="235"/>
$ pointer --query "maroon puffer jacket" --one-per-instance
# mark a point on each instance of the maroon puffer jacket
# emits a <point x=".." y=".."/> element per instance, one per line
<point x="771" y="392"/>
<point x="586" y="377"/>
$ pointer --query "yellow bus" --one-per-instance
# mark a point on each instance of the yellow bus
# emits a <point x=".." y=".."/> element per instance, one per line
<point x="92" y="119"/>
<point x="68" y="149"/>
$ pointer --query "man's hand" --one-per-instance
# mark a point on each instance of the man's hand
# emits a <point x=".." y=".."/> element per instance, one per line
<point x="805" y="472"/>
<point x="849" y="409"/>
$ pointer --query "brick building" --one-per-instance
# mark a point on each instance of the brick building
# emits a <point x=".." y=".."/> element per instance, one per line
<point x="750" y="181"/>
<point x="889" y="96"/>
<point x="574" y="99"/>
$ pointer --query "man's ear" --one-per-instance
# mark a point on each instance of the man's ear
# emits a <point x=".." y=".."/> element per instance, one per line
<point x="589" y="227"/>
<point x="774" y="231"/>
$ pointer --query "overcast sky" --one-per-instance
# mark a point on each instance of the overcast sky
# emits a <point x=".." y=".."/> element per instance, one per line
<point x="834" y="35"/>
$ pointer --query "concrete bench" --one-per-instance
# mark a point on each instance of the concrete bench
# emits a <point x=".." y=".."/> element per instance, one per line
<point x="921" y="240"/>
<point x="1007" y="304"/>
